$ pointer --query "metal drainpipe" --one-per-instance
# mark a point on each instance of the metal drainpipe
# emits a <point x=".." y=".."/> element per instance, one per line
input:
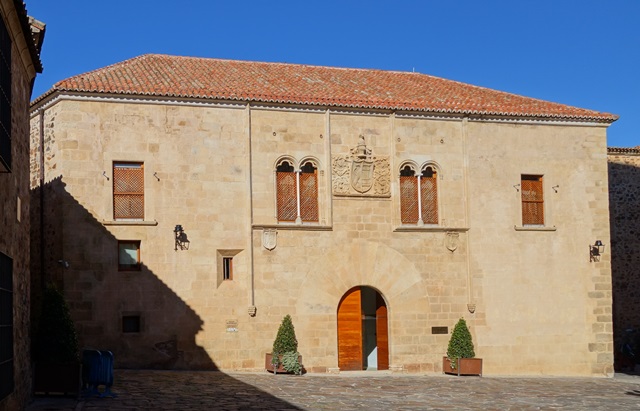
<point x="253" y="297"/>
<point x="467" y="212"/>
<point x="329" y="165"/>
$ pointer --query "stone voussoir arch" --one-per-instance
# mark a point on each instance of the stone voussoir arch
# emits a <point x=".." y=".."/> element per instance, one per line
<point x="360" y="263"/>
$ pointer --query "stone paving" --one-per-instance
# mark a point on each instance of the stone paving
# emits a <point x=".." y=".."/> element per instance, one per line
<point x="188" y="390"/>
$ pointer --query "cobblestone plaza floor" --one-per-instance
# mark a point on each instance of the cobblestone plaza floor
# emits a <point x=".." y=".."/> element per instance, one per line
<point x="187" y="390"/>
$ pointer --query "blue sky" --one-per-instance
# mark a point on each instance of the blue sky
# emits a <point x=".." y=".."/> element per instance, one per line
<point x="584" y="53"/>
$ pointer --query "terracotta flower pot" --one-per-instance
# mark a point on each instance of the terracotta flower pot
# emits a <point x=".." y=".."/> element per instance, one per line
<point x="268" y="365"/>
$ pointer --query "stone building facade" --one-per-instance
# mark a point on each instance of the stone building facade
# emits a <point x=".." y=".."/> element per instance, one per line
<point x="624" y="197"/>
<point x="199" y="201"/>
<point x="20" y="40"/>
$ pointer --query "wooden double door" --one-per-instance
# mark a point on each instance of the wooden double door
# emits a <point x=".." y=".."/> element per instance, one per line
<point x="363" y="331"/>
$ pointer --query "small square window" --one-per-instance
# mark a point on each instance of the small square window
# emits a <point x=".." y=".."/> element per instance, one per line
<point x="224" y="266"/>
<point x="130" y="323"/>
<point x="227" y="268"/>
<point x="129" y="255"/>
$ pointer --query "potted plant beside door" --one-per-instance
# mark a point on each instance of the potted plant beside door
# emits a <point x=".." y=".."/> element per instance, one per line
<point x="284" y="357"/>
<point x="460" y="358"/>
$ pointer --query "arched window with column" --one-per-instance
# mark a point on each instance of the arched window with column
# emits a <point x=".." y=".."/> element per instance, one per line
<point x="297" y="192"/>
<point x="418" y="195"/>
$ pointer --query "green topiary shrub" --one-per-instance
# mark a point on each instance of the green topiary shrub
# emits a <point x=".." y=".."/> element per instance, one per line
<point x="286" y="338"/>
<point x="460" y="344"/>
<point x="56" y="341"/>
<point x="286" y="345"/>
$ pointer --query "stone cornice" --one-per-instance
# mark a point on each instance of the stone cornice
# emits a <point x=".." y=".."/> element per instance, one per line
<point x="293" y="227"/>
<point x="430" y="229"/>
<point x="53" y="96"/>
<point x="130" y="222"/>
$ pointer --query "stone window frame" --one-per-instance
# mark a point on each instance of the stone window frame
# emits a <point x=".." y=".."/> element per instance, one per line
<point x="221" y="255"/>
<point x="532" y="207"/>
<point x="307" y="208"/>
<point x="133" y="197"/>
<point x="129" y="267"/>
<point x="418" y="172"/>
<point x="129" y="319"/>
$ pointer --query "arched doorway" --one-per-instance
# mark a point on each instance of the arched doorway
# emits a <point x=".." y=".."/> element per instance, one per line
<point x="363" y="331"/>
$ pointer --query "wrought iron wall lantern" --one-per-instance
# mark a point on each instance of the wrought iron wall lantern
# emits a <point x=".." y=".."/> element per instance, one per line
<point x="596" y="250"/>
<point x="181" y="240"/>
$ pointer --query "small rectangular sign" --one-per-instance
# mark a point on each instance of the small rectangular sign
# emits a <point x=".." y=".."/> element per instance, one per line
<point x="439" y="330"/>
<point x="232" y="326"/>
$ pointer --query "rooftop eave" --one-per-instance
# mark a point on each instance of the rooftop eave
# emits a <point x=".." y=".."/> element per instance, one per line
<point x="603" y="118"/>
<point x="26" y="30"/>
<point x="634" y="151"/>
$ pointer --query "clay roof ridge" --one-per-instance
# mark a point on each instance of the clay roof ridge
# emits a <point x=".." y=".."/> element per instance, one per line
<point x="623" y="150"/>
<point x="242" y="80"/>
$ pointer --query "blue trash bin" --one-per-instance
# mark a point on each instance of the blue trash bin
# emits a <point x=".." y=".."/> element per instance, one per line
<point x="97" y="370"/>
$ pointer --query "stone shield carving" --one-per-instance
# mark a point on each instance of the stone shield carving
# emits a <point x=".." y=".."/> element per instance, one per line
<point x="451" y="241"/>
<point x="269" y="238"/>
<point x="362" y="175"/>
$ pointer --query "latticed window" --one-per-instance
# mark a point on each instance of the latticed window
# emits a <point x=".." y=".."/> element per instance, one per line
<point x="429" y="195"/>
<point x="297" y="192"/>
<point x="128" y="191"/>
<point x="532" y="200"/>
<point x="309" y="192"/>
<point x="408" y="196"/>
<point x="418" y="196"/>
<point x="287" y="202"/>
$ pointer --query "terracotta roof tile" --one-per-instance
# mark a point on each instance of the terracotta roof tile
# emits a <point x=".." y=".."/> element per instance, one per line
<point x="206" y="78"/>
<point x="623" y="150"/>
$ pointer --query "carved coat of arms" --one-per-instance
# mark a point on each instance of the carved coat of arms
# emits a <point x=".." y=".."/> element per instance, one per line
<point x="362" y="167"/>
<point x="361" y="172"/>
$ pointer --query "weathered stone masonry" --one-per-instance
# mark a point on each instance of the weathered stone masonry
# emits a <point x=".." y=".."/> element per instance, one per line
<point x="624" y="208"/>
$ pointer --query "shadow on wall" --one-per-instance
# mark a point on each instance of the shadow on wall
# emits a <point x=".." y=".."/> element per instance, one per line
<point x="624" y="213"/>
<point x="134" y="314"/>
<point x="100" y="296"/>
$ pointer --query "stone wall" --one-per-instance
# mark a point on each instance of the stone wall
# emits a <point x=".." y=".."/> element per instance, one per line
<point x="526" y="276"/>
<point x="14" y="209"/>
<point x="211" y="169"/>
<point x="624" y="206"/>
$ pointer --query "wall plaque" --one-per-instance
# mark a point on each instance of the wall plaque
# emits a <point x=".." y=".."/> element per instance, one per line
<point x="439" y="330"/>
<point x="232" y="326"/>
